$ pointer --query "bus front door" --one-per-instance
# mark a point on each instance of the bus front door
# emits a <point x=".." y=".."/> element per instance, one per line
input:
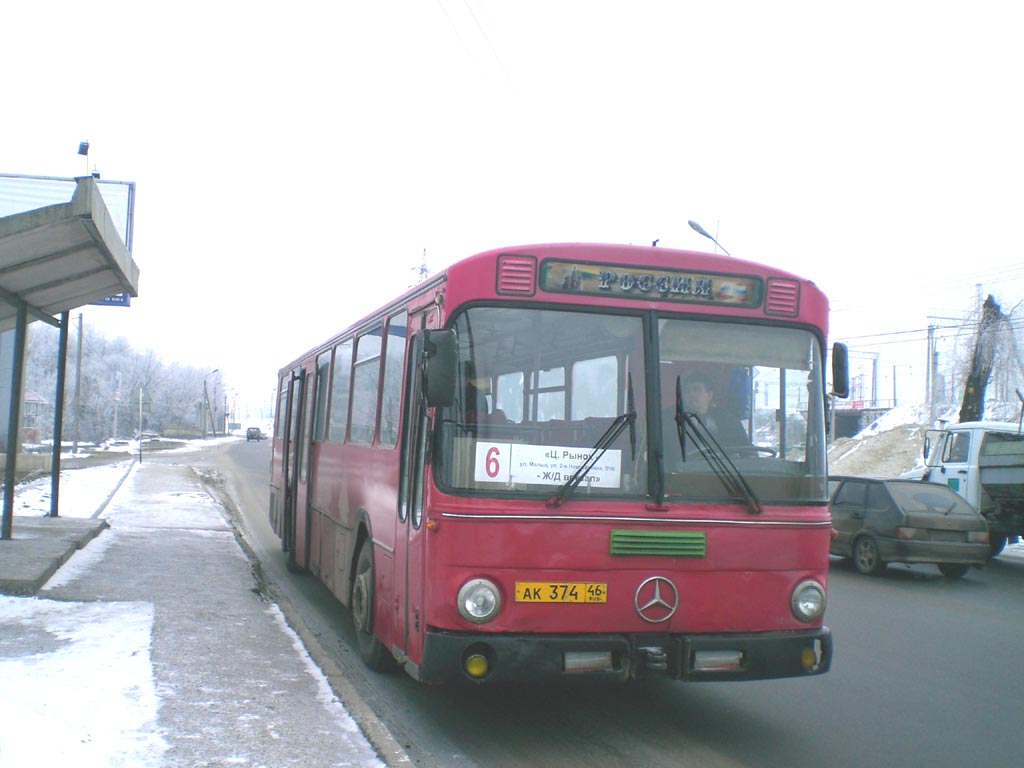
<point x="295" y="534"/>
<point x="410" y="542"/>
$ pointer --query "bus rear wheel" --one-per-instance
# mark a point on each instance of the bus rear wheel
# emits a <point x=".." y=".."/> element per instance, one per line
<point x="370" y="649"/>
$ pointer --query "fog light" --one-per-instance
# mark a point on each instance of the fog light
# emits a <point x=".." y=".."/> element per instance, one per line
<point x="587" y="661"/>
<point x="717" y="661"/>
<point x="476" y="665"/>
<point x="809" y="659"/>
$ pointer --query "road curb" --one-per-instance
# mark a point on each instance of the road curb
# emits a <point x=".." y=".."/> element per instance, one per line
<point x="131" y="468"/>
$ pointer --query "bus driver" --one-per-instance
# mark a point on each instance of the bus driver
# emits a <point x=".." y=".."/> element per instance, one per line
<point x="699" y="398"/>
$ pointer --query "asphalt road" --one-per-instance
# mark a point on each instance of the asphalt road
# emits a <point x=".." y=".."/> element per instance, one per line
<point x="926" y="673"/>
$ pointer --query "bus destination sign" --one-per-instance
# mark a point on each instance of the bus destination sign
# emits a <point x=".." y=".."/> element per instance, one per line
<point x="628" y="281"/>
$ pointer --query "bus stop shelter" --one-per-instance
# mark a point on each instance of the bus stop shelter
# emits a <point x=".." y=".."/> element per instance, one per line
<point x="54" y="259"/>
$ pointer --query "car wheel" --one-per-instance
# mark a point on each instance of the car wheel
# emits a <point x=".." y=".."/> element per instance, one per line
<point x="866" y="558"/>
<point x="996" y="544"/>
<point x="953" y="570"/>
<point x="370" y="649"/>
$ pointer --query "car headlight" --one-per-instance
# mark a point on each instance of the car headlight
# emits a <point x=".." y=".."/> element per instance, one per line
<point x="808" y="601"/>
<point x="479" y="601"/>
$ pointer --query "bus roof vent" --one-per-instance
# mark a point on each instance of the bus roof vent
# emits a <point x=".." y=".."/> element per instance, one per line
<point x="783" y="297"/>
<point x="517" y="275"/>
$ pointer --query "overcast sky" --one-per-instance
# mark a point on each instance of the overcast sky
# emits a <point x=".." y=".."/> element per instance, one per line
<point x="295" y="161"/>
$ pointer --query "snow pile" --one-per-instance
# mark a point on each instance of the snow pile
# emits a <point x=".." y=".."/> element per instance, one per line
<point x="885" y="448"/>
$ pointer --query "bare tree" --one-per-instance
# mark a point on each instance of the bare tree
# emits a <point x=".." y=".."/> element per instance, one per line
<point x="112" y="375"/>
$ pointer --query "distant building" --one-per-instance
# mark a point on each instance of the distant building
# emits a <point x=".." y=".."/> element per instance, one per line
<point x="36" y="418"/>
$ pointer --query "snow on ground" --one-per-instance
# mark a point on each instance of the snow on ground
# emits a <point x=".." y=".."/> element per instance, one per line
<point x="103" y="712"/>
<point x="76" y="678"/>
<point x="84" y="491"/>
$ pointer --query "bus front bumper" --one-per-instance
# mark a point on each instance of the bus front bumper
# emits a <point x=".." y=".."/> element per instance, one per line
<point x="532" y="658"/>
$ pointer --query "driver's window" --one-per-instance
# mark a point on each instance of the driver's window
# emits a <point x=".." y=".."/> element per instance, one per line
<point x="958" y="448"/>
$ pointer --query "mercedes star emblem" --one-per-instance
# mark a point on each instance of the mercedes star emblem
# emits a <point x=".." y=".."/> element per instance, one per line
<point x="656" y="599"/>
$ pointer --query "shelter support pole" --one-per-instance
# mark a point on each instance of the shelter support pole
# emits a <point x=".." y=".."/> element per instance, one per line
<point x="58" y="414"/>
<point x="14" y="422"/>
<point x="78" y="387"/>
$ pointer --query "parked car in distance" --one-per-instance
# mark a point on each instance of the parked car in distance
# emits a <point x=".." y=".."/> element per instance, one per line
<point x="253" y="433"/>
<point x="878" y="521"/>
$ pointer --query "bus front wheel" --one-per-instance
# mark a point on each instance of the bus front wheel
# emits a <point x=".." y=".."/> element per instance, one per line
<point x="370" y="649"/>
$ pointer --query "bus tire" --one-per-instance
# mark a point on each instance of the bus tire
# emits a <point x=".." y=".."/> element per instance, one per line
<point x="370" y="649"/>
<point x="866" y="558"/>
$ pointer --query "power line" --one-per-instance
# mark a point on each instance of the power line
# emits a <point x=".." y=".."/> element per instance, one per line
<point x="480" y="29"/>
<point x="487" y="39"/>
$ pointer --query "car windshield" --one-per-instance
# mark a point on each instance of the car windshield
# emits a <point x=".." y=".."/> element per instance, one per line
<point x="538" y="389"/>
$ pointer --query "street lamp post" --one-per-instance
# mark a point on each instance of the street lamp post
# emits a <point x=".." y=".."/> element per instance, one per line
<point x="701" y="231"/>
<point x="206" y="403"/>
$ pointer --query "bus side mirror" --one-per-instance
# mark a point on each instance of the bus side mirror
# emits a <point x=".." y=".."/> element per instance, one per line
<point x="927" y="446"/>
<point x="840" y="370"/>
<point x="439" y="367"/>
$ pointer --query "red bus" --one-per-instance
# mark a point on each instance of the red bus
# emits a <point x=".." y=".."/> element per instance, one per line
<point x="511" y="472"/>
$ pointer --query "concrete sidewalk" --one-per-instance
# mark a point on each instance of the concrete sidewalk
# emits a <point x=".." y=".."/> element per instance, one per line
<point x="230" y="682"/>
<point x="41" y="545"/>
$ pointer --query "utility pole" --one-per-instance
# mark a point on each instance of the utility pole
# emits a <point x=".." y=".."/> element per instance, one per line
<point x="117" y="399"/>
<point x="930" y="368"/>
<point x="140" y="425"/>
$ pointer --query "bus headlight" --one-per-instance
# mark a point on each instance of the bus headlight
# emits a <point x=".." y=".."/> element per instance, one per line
<point x="808" y="601"/>
<point x="479" y="601"/>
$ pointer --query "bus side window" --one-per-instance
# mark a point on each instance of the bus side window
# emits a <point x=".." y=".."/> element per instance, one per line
<point x="508" y="396"/>
<point x="340" y="385"/>
<point x="365" y="384"/>
<point x="391" y="394"/>
<point x="549" y="393"/>
<point x="323" y="368"/>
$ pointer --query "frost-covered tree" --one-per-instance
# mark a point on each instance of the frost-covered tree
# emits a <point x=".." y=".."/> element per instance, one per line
<point x="112" y="375"/>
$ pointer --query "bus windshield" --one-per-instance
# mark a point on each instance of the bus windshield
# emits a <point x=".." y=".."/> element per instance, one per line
<point x="538" y="389"/>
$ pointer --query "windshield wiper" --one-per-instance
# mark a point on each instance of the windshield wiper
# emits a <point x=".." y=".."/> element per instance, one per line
<point x="713" y="453"/>
<point x="603" y="444"/>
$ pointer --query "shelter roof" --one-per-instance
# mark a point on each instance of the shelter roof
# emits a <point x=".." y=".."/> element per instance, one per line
<point x="62" y="256"/>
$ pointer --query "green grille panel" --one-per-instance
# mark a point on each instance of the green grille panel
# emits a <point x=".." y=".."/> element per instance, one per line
<point x="668" y="543"/>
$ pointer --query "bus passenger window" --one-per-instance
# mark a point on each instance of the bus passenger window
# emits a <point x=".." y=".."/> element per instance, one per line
<point x="340" y="383"/>
<point x="365" y="384"/>
<point x="509" y="396"/>
<point x="391" y="395"/>
<point x="549" y="389"/>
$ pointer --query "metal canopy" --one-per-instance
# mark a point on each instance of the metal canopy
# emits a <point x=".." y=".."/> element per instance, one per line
<point x="61" y="257"/>
<point x="52" y="260"/>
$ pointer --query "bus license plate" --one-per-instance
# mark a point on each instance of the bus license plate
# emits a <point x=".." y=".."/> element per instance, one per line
<point x="561" y="592"/>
